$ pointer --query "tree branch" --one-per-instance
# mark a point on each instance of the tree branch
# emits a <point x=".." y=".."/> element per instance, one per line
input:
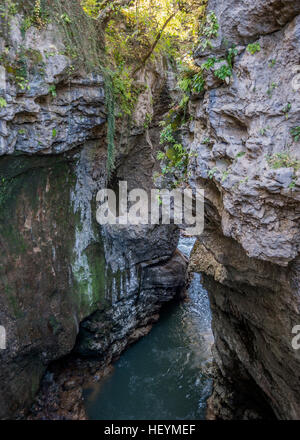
<point x="158" y="37"/>
<point x="105" y="13"/>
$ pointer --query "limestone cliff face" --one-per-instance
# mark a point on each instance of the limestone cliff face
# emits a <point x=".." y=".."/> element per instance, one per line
<point x="58" y="267"/>
<point x="249" y="251"/>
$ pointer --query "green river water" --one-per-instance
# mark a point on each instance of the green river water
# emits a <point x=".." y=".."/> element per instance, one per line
<point x="161" y="376"/>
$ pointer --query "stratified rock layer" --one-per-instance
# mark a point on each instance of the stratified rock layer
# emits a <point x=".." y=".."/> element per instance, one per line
<point x="249" y="251"/>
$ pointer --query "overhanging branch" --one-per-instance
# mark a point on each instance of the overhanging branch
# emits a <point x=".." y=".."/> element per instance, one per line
<point x="109" y="7"/>
<point x="158" y="37"/>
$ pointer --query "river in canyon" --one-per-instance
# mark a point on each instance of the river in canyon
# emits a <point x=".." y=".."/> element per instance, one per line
<point x="162" y="376"/>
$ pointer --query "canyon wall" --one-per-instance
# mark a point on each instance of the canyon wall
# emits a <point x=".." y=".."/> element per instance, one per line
<point x="248" y="159"/>
<point x="69" y="285"/>
<point x="59" y="268"/>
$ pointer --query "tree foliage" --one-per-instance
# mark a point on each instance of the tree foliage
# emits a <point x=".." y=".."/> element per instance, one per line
<point x="137" y="30"/>
<point x="118" y="38"/>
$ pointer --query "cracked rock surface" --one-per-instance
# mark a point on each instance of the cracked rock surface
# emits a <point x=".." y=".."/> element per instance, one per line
<point x="249" y="251"/>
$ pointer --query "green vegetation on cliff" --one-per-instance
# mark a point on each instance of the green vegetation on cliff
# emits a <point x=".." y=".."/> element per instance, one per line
<point x="117" y="39"/>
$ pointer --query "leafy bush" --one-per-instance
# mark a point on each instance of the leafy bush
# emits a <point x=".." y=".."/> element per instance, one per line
<point x="209" y="30"/>
<point x="283" y="160"/>
<point x="191" y="82"/>
<point x="295" y="132"/>
<point x="166" y="135"/>
<point x="208" y="63"/>
<point x="223" y="72"/>
<point x="232" y="52"/>
<point x="175" y="159"/>
<point x="253" y="48"/>
<point x="212" y="172"/>
<point x="52" y="90"/>
<point x="10" y="8"/>
<point x="3" y="102"/>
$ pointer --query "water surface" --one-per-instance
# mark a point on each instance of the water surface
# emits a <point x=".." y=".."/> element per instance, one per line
<point x="161" y="376"/>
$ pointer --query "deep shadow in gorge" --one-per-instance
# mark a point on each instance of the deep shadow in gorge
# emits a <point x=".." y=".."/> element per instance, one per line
<point x="168" y="374"/>
<point x="164" y="376"/>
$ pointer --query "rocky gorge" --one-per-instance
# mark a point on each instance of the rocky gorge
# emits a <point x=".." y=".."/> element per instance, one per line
<point x="75" y="295"/>
<point x="58" y="268"/>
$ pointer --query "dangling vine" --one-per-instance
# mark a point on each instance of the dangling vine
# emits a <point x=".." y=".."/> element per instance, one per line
<point x="111" y="123"/>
